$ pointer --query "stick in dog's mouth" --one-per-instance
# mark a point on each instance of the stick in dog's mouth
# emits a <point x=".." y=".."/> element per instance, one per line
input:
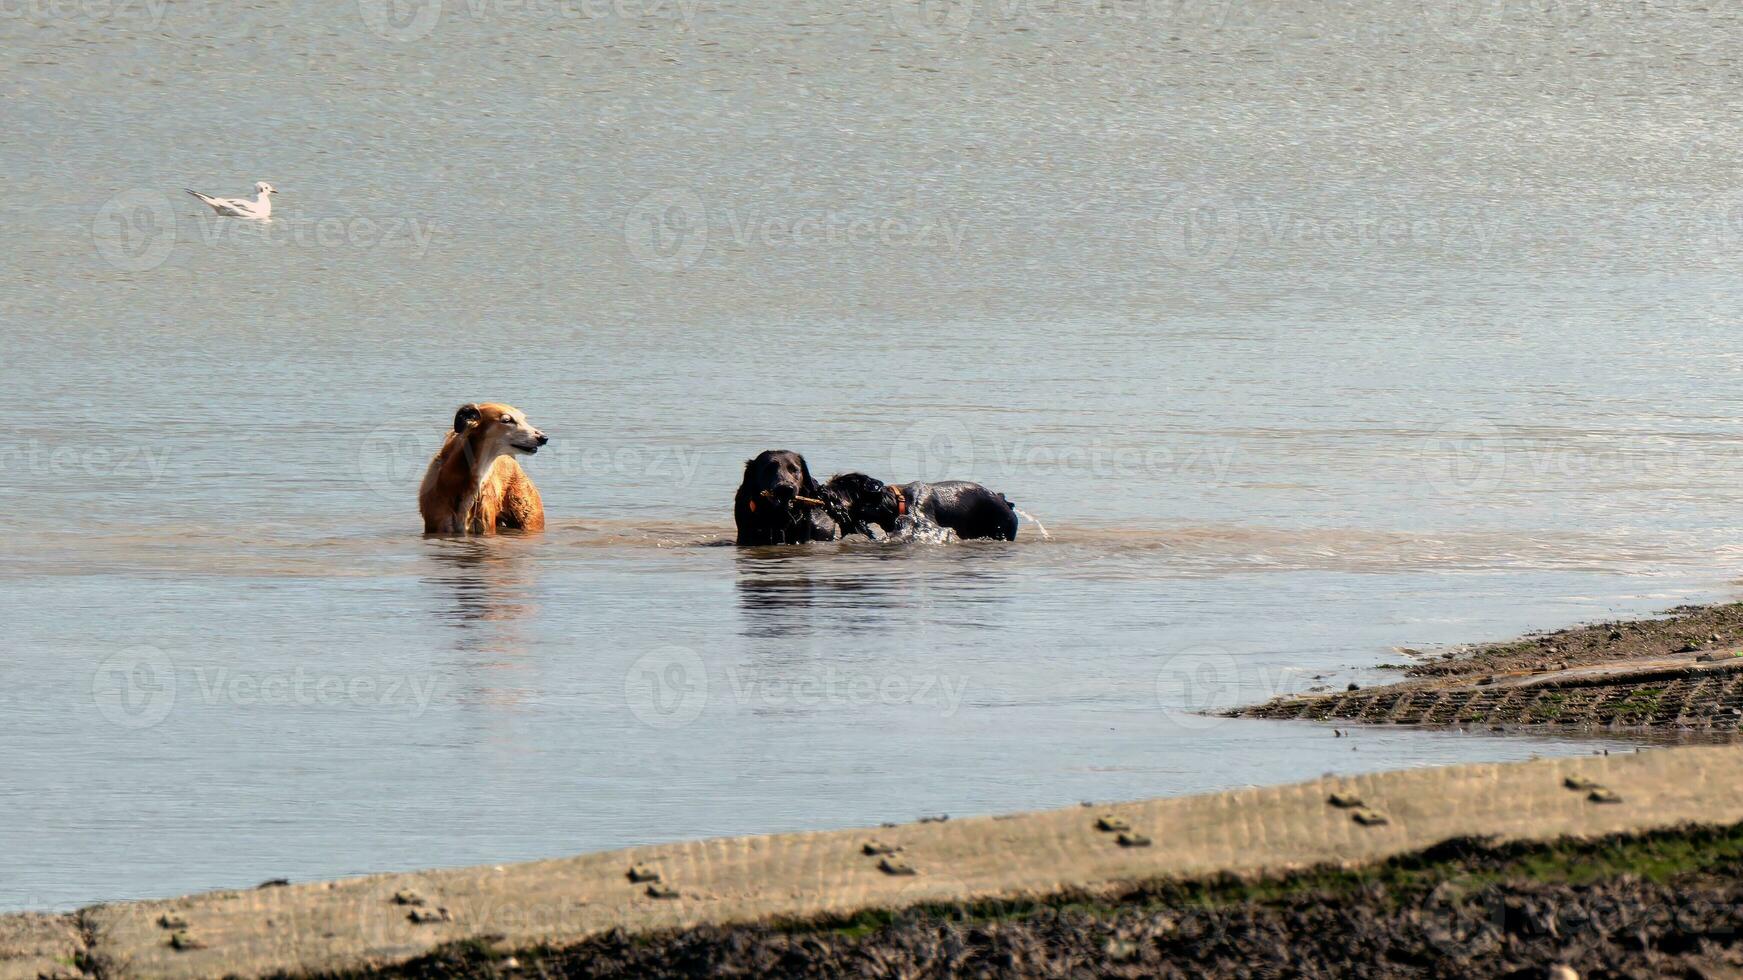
<point x="813" y="501"/>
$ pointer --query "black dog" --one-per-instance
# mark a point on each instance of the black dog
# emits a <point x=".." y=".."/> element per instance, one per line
<point x="856" y="502"/>
<point x="779" y="502"/>
<point x="969" y="509"/>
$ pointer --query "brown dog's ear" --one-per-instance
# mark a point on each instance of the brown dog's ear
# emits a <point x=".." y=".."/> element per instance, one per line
<point x="466" y="417"/>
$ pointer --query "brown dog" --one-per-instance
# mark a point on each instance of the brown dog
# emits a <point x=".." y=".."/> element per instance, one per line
<point x="474" y="484"/>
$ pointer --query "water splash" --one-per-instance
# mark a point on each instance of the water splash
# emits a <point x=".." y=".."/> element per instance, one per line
<point x="1032" y="519"/>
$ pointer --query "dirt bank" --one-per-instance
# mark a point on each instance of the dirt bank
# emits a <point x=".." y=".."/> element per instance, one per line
<point x="1654" y="905"/>
<point x="1680" y="675"/>
<point x="1138" y="885"/>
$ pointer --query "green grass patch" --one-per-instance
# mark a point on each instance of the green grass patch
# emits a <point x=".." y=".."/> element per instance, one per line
<point x="1656" y="857"/>
<point x="1643" y="702"/>
<point x="1664" y="857"/>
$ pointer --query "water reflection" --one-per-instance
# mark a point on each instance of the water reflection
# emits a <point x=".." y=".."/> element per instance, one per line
<point x="486" y="591"/>
<point x="796" y="591"/>
<point x="781" y="590"/>
<point x="489" y="581"/>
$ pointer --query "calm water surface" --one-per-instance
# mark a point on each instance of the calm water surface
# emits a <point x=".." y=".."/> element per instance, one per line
<point x="1310" y="334"/>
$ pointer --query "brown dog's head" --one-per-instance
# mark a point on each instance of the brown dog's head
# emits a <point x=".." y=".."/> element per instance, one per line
<point x="498" y="430"/>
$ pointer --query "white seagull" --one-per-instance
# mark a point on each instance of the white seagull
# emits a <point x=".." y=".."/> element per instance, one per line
<point x="240" y="207"/>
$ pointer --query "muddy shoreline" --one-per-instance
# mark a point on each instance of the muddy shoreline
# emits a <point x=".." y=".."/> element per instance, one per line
<point x="1650" y="905"/>
<point x="1624" y="865"/>
<point x="1663" y="903"/>
<point x="1678" y="676"/>
<point x="1628" y="861"/>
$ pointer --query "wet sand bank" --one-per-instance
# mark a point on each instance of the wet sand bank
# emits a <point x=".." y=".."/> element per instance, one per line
<point x="814" y="901"/>
<point x="1667" y="903"/>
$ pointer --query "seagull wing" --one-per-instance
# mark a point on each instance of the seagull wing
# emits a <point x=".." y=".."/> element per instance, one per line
<point x="233" y="207"/>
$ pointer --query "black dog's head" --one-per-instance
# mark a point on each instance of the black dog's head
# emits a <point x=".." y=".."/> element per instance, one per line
<point x="860" y="500"/>
<point x="774" y="478"/>
<point x="779" y="503"/>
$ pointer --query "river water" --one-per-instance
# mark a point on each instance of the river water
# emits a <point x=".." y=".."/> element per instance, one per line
<point x="1309" y="334"/>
